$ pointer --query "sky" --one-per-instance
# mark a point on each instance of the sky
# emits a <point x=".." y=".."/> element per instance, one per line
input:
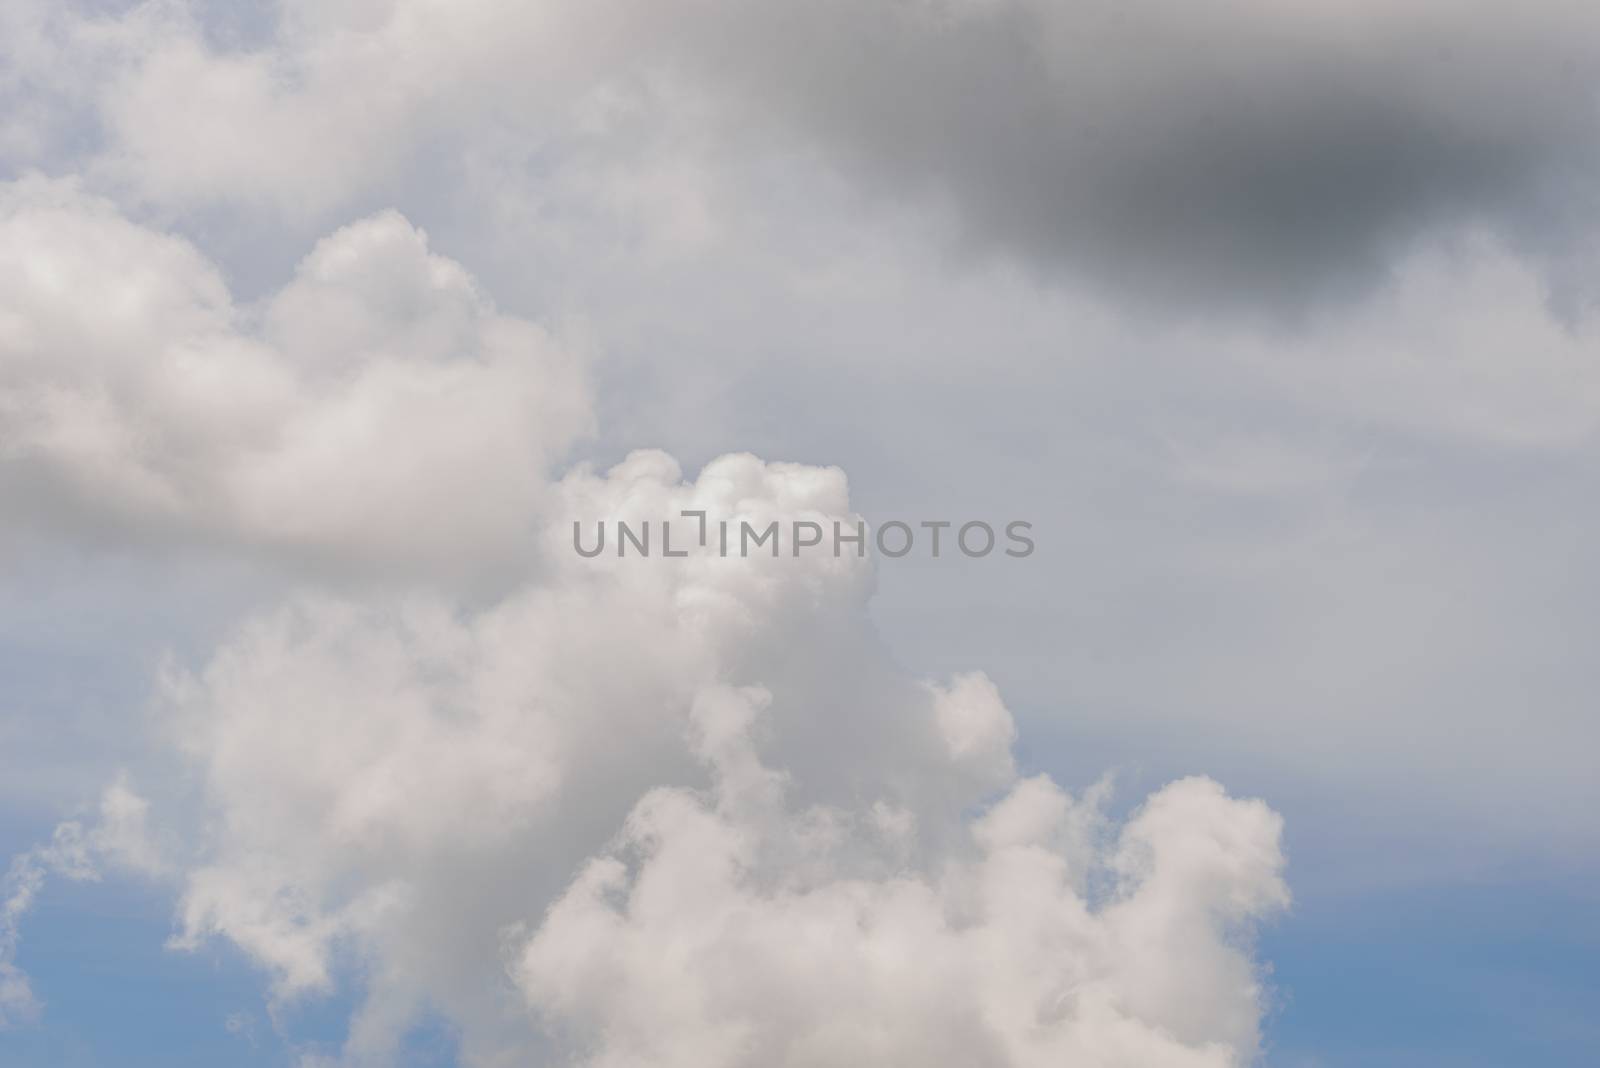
<point x="322" y="323"/>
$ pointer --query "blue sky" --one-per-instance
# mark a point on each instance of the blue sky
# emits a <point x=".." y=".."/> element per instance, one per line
<point x="1497" y="973"/>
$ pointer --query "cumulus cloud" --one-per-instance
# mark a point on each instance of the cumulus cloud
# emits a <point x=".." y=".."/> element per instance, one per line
<point x="660" y="812"/>
<point x="524" y="808"/>
<point x="411" y="785"/>
<point x="726" y="929"/>
<point x="377" y="408"/>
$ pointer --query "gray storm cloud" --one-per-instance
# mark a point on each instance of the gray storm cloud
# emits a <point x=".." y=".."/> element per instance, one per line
<point x="1243" y="152"/>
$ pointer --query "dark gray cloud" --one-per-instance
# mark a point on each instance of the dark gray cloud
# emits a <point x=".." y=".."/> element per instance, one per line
<point x="1240" y="152"/>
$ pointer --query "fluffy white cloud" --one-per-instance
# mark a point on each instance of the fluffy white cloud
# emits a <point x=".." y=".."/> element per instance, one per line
<point x="403" y="786"/>
<point x="786" y="849"/>
<point x="727" y="929"/>
<point x="411" y="785"/>
<point x="378" y="409"/>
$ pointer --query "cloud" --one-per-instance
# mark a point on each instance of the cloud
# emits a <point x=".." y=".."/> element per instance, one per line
<point x="408" y="784"/>
<point x="533" y="767"/>
<point x="1247" y="154"/>
<point x="1244" y="153"/>
<point x="119" y="840"/>
<point x="397" y="786"/>
<point x="1461" y="347"/>
<point x="727" y="929"/>
<point x="378" y="408"/>
<point x="18" y="1004"/>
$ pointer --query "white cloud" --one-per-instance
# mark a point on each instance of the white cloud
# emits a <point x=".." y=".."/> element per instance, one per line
<point x="404" y="780"/>
<point x="18" y="1004"/>
<point x="378" y="410"/>
<point x="821" y="859"/>
<point x="728" y="930"/>
<point x="410" y="784"/>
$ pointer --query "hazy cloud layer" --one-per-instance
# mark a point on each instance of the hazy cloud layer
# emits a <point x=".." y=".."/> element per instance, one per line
<point x="1248" y="153"/>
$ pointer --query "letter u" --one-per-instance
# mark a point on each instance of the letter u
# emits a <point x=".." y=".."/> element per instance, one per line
<point x="577" y="542"/>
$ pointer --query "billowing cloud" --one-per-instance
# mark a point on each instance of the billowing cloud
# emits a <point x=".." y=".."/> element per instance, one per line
<point x="687" y="811"/>
<point x="426" y="837"/>
<point x="730" y="930"/>
<point x="610" y="810"/>
<point x="378" y="408"/>
<point x="662" y="812"/>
